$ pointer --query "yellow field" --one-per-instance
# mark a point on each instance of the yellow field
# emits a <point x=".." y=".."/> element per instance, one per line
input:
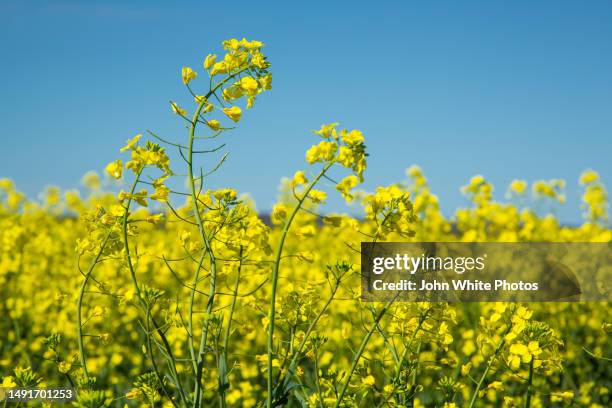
<point x="202" y="304"/>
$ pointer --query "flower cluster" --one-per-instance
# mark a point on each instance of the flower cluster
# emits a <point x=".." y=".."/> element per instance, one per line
<point x="242" y="73"/>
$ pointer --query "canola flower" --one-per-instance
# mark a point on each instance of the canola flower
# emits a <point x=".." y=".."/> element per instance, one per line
<point x="185" y="298"/>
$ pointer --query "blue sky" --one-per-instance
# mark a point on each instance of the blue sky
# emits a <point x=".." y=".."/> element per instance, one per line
<point x="506" y="89"/>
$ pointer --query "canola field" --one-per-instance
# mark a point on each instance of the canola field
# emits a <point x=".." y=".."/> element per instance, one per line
<point x="165" y="296"/>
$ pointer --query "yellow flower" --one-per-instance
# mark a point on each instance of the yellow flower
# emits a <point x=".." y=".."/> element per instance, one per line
<point x="534" y="348"/>
<point x="227" y="194"/>
<point x="317" y="196"/>
<point x="199" y="99"/>
<point x="345" y="186"/>
<point x="91" y="180"/>
<point x="188" y="75"/>
<point x="234" y="113"/>
<point x="131" y="143"/>
<point x="561" y="396"/>
<point x="518" y="353"/>
<point x="251" y="45"/>
<point x="299" y="179"/>
<point x="259" y="61"/>
<point x="133" y="394"/>
<point x="231" y="44"/>
<point x="444" y="333"/>
<point x="328" y="130"/>
<point x="477" y="179"/>
<point x="279" y="214"/>
<point x="6" y="184"/>
<point x="177" y="109"/>
<point x="353" y="137"/>
<point x="209" y="61"/>
<point x="161" y="193"/>
<point x="522" y="313"/>
<point x="306" y="231"/>
<point x="368" y="381"/>
<point x="214" y="124"/>
<point x="589" y="176"/>
<point x="266" y="82"/>
<point x="219" y="68"/>
<point x="414" y="171"/>
<point x="249" y="85"/>
<point x="518" y="186"/>
<point x="128" y="296"/>
<point x="8" y="382"/>
<point x="250" y="102"/>
<point x="231" y="93"/>
<point x="64" y="367"/>
<point x="98" y="311"/>
<point x="115" y="169"/>
<point x="496" y="385"/>
<point x="324" y="151"/>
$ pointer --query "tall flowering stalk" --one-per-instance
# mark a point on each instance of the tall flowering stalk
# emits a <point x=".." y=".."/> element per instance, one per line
<point x="342" y="147"/>
<point x="242" y="73"/>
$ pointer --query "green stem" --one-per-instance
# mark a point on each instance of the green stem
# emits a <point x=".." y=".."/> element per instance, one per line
<point x="529" y="385"/>
<point x="595" y="356"/>
<point x="415" y="372"/>
<point x="205" y="240"/>
<point x="402" y="358"/>
<point x="277" y="259"/>
<point x="298" y="351"/>
<point x="143" y="303"/>
<point x="80" y="303"/>
<point x="317" y="382"/>
<point x="153" y="363"/>
<point x="489" y="364"/>
<point x="124" y="230"/>
<point x="228" y="328"/>
<point x="196" y="278"/>
<point x="362" y="346"/>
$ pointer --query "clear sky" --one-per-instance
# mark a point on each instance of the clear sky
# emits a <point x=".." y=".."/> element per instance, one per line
<point x="517" y="89"/>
